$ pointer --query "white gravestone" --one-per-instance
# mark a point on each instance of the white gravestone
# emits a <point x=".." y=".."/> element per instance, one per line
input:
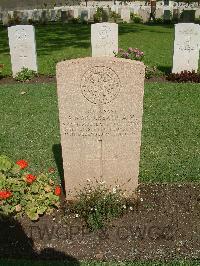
<point x="186" y="47"/>
<point x="22" y="48"/>
<point x="126" y="14"/>
<point x="104" y="39"/>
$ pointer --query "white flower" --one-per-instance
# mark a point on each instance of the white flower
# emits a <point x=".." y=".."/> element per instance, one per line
<point x="76" y="215"/>
<point x="124" y="206"/>
<point x="114" y="190"/>
<point x="141" y="199"/>
<point x="131" y="208"/>
<point x="91" y="209"/>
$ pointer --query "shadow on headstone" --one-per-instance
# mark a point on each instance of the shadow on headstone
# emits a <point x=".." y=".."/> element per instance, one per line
<point x="57" y="151"/>
<point x="15" y="244"/>
<point x="187" y="16"/>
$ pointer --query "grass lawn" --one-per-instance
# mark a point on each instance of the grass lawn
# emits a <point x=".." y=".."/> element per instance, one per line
<point x="58" y="263"/>
<point x="170" y="152"/>
<point x="56" y="42"/>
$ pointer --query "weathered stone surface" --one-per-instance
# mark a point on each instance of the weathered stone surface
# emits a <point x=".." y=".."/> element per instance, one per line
<point x="126" y="14"/>
<point x="104" y="39"/>
<point x="186" y="47"/>
<point x="100" y="111"/>
<point x="22" y="47"/>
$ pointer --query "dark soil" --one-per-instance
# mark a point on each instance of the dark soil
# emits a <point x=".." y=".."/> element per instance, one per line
<point x="38" y="79"/>
<point x="164" y="225"/>
<point x="52" y="79"/>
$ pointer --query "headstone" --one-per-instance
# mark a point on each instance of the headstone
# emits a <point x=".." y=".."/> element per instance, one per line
<point x="186" y="47"/>
<point x="166" y="2"/>
<point x="100" y="111"/>
<point x="126" y="14"/>
<point x="105" y="15"/>
<point x="176" y="15"/>
<point x="6" y="19"/>
<point x="67" y="16"/>
<point x="43" y="17"/>
<point x="53" y="15"/>
<point x="188" y="16"/>
<point x="159" y="13"/>
<point x="84" y="15"/>
<point x="167" y="15"/>
<point x="197" y="14"/>
<point x="144" y="13"/>
<point x="104" y="38"/>
<point x="76" y="13"/>
<point x="22" y="47"/>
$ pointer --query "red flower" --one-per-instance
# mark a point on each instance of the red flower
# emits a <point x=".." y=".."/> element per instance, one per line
<point x="22" y="163"/>
<point x="30" y="178"/>
<point x="5" y="194"/>
<point x="57" y="191"/>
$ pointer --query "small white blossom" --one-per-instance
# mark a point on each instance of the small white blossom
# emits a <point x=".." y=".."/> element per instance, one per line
<point x="124" y="206"/>
<point x="141" y="199"/>
<point x="131" y="208"/>
<point x="76" y="215"/>
<point x="114" y="190"/>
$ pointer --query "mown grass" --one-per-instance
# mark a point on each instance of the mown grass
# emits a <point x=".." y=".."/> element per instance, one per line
<point x="56" y="42"/>
<point x="170" y="151"/>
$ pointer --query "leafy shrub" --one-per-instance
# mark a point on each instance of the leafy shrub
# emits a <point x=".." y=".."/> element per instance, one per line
<point x="97" y="204"/>
<point x="98" y="15"/>
<point x="25" y="74"/>
<point x="184" y="76"/>
<point x="131" y="53"/>
<point x="23" y="193"/>
<point x="135" y="18"/>
<point x="151" y="72"/>
<point x="114" y="16"/>
<point x="158" y="21"/>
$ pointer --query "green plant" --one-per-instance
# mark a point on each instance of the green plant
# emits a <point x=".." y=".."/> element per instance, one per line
<point x="158" y="21"/>
<point x="130" y="53"/>
<point x="135" y="18"/>
<point x="151" y="72"/>
<point x="114" y="16"/>
<point x="25" y="74"/>
<point x="24" y="193"/>
<point x="97" y="204"/>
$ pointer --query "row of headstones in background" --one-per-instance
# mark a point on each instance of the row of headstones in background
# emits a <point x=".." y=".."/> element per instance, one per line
<point x="104" y="41"/>
<point x="67" y="14"/>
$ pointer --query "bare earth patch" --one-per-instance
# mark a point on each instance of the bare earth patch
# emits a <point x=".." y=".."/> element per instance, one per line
<point x="163" y="226"/>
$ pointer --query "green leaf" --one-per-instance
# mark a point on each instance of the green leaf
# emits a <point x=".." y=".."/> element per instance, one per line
<point x="5" y="163"/>
<point x="32" y="214"/>
<point x="41" y="210"/>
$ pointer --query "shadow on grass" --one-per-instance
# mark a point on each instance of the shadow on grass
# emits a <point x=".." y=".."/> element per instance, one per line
<point x="56" y="36"/>
<point x="165" y="69"/>
<point x="57" y="151"/>
<point x="16" y="244"/>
